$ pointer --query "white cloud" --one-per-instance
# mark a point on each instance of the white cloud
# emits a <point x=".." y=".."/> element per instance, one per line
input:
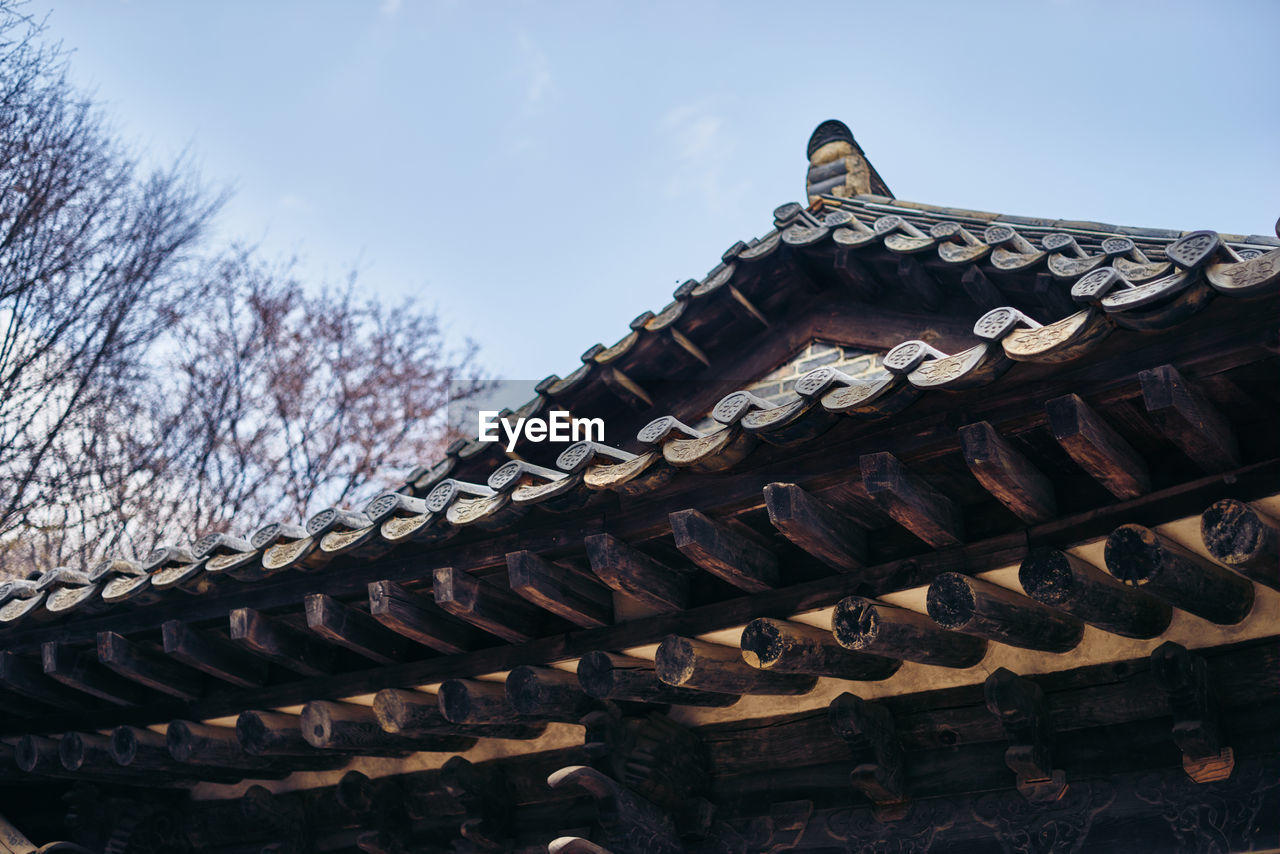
<point x="536" y="69"/>
<point x="389" y="8"/>
<point x="699" y="145"/>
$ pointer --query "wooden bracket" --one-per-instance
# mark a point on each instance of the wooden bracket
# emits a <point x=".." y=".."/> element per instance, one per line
<point x="418" y="618"/>
<point x="724" y="552"/>
<point x="1097" y="448"/>
<point x="279" y="642"/>
<point x="1020" y="705"/>
<point x="1190" y="421"/>
<point x="811" y="524"/>
<point x="214" y="654"/>
<point x="880" y="773"/>
<point x="149" y="667"/>
<point x="486" y="800"/>
<point x="911" y="501"/>
<point x="83" y="672"/>
<point x="633" y="573"/>
<point x="1197" y="728"/>
<point x="355" y="630"/>
<point x="563" y="590"/>
<point x="486" y="606"/>
<point x="628" y="822"/>
<point x="1009" y="476"/>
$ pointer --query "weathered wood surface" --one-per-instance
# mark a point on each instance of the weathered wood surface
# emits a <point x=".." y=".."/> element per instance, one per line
<point x="974" y="606"/>
<point x="1143" y="558"/>
<point x="149" y="667"/>
<point x="26" y="678"/>
<point x="417" y="713"/>
<point x="565" y="591"/>
<point x="142" y="751"/>
<point x="83" y="672"/>
<point x="1067" y="583"/>
<point x="814" y="526"/>
<point x="263" y="733"/>
<point x="548" y="693"/>
<point x="689" y="663"/>
<point x="724" y="553"/>
<point x="633" y="573"/>
<point x="1190" y="421"/>
<point x="622" y="814"/>
<point x="418" y="618"/>
<point x="1021" y="708"/>
<point x="278" y="642"/>
<point x="607" y="676"/>
<point x="352" y="728"/>
<point x="214" y="654"/>
<point x="467" y="701"/>
<point x="865" y="625"/>
<point x="195" y="743"/>
<point x="911" y="501"/>
<point x="1243" y="538"/>
<point x="355" y="630"/>
<point x="1097" y="448"/>
<point x="783" y="646"/>
<point x="1007" y="474"/>
<point x="494" y="609"/>
<point x="880" y="770"/>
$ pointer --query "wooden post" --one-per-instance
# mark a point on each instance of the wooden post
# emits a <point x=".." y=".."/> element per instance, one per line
<point x="418" y="618"/>
<point x="1007" y="474"/>
<point x="214" y="654"/>
<point x="576" y="596"/>
<point x="606" y="676"/>
<point x="978" y="607"/>
<point x="355" y="729"/>
<point x="814" y="526"/>
<point x="690" y="663"/>
<point x="355" y="630"/>
<point x="547" y="693"/>
<point x="486" y="606"/>
<point x="782" y="646"/>
<point x="149" y="667"/>
<point x="1244" y="539"/>
<point x="724" y="552"/>
<point x="292" y="649"/>
<point x="635" y="574"/>
<point x="416" y="713"/>
<point x="465" y="701"/>
<point x="911" y="501"/>
<point x="1189" y="420"/>
<point x="1097" y="448"/>
<point x="1143" y="558"/>
<point x="1066" y="582"/>
<point x="867" y="626"/>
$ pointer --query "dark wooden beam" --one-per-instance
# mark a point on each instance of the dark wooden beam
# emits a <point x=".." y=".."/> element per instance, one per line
<point x="486" y="606"/>
<point x="1020" y="706"/>
<point x="633" y="573"/>
<point x="724" y="552"/>
<point x="292" y="649"/>
<point x="865" y="625"/>
<point x="689" y="663"/>
<point x="1007" y="474"/>
<point x="879" y="772"/>
<point x="213" y="654"/>
<point x="355" y="630"/>
<point x="973" y="606"/>
<point x="145" y="752"/>
<point x="607" y="676"/>
<point x="1243" y="538"/>
<point x="563" y="590"/>
<point x="416" y="713"/>
<point x="418" y="618"/>
<point x="548" y="693"/>
<point x="26" y="678"/>
<point x="355" y="729"/>
<point x="194" y="743"/>
<point x="468" y="701"/>
<point x="782" y="646"/>
<point x="1189" y="420"/>
<point x="1067" y="583"/>
<point x="914" y="504"/>
<point x="148" y="666"/>
<point x="811" y="524"/>
<point x="1097" y="448"/>
<point x="272" y="734"/>
<point x="1143" y="558"/>
<point x="83" y="672"/>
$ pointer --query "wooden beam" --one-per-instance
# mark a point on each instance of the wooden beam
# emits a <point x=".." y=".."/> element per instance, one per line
<point x="418" y="618"/>
<point x="978" y="607"/>
<point x="564" y="591"/>
<point x="1067" y="583"/>
<point x="355" y="729"/>
<point x="272" y="734"/>
<point x="416" y="713"/>
<point x="140" y="750"/>
<point x="607" y="676"/>
<point x="1097" y="448"/>
<point x="26" y="678"/>
<point x="1189" y="420"/>
<point x="149" y="667"/>
<point x="1010" y="477"/>
<point x="724" y="552"/>
<point x="1243" y="538"/>
<point x="865" y="625"/>
<point x="468" y="701"/>
<point x="486" y="606"/>
<point x="355" y="630"/>
<point x="1141" y="557"/>
<point x="292" y="649"/>
<point x="548" y="693"/>
<point x="782" y="646"/>
<point x="83" y="672"/>
<point x="200" y="744"/>
<point x="690" y="663"/>
<point x="633" y="573"/>
<point x="811" y="524"/>
<point x="214" y="654"/>
<point x="913" y="503"/>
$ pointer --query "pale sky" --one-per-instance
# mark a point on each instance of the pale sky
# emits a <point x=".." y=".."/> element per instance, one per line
<point x="544" y="172"/>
